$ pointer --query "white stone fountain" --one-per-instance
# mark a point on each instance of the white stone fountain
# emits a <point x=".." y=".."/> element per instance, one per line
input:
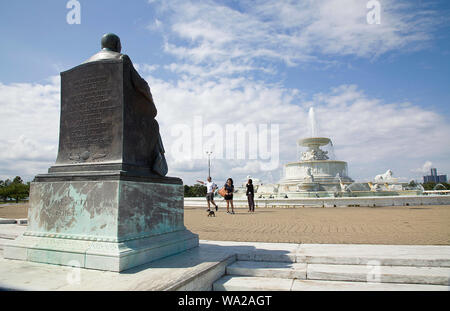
<point x="317" y="174"/>
<point x="315" y="171"/>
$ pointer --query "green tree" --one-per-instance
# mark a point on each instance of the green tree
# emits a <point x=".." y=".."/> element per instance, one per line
<point x="3" y="194"/>
<point x="412" y="184"/>
<point x="429" y="186"/>
<point x="17" y="180"/>
<point x="432" y="185"/>
<point x="187" y="190"/>
<point x="196" y="190"/>
<point x="19" y="191"/>
<point x="16" y="189"/>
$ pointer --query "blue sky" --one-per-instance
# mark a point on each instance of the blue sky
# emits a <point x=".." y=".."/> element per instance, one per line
<point x="376" y="88"/>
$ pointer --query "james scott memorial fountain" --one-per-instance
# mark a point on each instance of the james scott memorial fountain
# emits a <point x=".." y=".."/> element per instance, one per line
<point x="106" y="203"/>
<point x="317" y="174"/>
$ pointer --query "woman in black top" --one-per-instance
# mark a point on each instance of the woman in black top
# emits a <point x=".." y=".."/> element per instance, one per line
<point x="250" y="196"/>
<point x="229" y="188"/>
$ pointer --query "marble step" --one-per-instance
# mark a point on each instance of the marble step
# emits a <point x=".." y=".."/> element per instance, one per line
<point x="341" y="254"/>
<point x="3" y="242"/>
<point x="283" y="270"/>
<point x="244" y="283"/>
<point x="9" y="232"/>
<point x="5" y="239"/>
<point x="353" y="273"/>
<point x="386" y="255"/>
<point x="379" y="274"/>
<point x="312" y="285"/>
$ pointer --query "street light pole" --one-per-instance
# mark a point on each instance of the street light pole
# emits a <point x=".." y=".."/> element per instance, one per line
<point x="209" y="153"/>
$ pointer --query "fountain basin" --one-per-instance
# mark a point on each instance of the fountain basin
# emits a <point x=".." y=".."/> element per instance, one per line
<point x="323" y="171"/>
<point x="309" y="186"/>
<point x="325" y="176"/>
<point x="314" y="141"/>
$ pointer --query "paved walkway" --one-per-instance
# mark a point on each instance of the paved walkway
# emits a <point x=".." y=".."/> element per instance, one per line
<point x="199" y="268"/>
<point x="401" y="225"/>
<point x="409" y="225"/>
<point x="14" y="211"/>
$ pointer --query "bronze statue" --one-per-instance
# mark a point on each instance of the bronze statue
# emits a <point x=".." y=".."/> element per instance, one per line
<point x="111" y="49"/>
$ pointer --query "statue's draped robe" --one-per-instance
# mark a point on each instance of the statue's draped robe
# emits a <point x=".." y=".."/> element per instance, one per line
<point x="157" y="160"/>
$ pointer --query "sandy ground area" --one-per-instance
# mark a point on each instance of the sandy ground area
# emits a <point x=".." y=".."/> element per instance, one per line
<point x="13" y="211"/>
<point x="382" y="225"/>
<point x="424" y="225"/>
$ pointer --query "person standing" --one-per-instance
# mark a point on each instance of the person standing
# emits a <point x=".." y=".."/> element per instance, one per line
<point x="210" y="189"/>
<point x="250" y="196"/>
<point x="229" y="189"/>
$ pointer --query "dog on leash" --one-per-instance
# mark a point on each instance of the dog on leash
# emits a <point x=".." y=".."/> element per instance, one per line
<point x="211" y="213"/>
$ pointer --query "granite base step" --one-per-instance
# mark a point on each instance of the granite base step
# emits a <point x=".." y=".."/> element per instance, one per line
<point x="379" y="274"/>
<point x="259" y="275"/>
<point x="384" y="255"/>
<point x="244" y="283"/>
<point x="282" y="270"/>
<point x="342" y="254"/>
<point x="3" y="242"/>
<point x="9" y="232"/>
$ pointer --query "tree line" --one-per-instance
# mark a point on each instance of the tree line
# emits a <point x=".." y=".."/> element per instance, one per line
<point x="432" y="186"/>
<point x="14" y="190"/>
<point x="196" y="190"/>
<point x="17" y="190"/>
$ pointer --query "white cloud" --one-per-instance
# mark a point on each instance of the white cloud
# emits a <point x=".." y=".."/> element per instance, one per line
<point x="371" y="134"/>
<point x="257" y="33"/>
<point x="29" y="123"/>
<point x="424" y="169"/>
<point x="145" y="68"/>
<point x="251" y="167"/>
<point x="225" y="68"/>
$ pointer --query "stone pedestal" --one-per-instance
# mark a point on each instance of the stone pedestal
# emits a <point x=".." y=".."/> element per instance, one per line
<point x="101" y="206"/>
<point x="105" y="221"/>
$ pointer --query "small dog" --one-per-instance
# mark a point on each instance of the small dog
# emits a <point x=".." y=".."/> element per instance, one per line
<point x="211" y="214"/>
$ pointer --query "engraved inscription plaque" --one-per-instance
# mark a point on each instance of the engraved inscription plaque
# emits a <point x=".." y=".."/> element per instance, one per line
<point x="91" y="114"/>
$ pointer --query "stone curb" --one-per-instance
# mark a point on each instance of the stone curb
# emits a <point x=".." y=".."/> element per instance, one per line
<point x="20" y="221"/>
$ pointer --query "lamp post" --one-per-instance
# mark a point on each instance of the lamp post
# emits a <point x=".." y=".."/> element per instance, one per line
<point x="209" y="153"/>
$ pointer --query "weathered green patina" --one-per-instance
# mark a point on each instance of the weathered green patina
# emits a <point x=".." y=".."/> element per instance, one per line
<point x="105" y="225"/>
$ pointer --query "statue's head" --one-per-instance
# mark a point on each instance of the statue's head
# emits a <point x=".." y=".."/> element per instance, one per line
<point x="111" y="42"/>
